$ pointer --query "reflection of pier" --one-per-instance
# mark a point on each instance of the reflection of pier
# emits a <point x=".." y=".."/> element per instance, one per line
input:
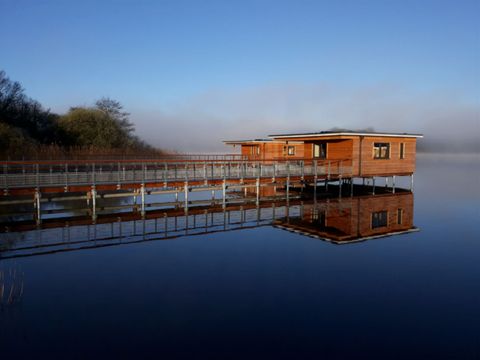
<point x="11" y="286"/>
<point x="340" y="220"/>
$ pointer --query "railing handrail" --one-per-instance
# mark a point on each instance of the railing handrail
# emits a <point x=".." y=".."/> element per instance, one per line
<point x="170" y="160"/>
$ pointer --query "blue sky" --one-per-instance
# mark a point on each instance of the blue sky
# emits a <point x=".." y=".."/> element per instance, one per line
<point x="195" y="72"/>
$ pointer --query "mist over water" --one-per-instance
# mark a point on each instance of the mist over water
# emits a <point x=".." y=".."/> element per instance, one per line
<point x="449" y="120"/>
<point x="265" y="292"/>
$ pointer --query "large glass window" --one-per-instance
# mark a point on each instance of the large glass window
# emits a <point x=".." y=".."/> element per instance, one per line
<point x="291" y="150"/>
<point x="379" y="219"/>
<point x="320" y="151"/>
<point x="381" y="151"/>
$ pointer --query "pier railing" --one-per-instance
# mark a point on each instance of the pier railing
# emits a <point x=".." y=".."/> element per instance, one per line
<point x="67" y="174"/>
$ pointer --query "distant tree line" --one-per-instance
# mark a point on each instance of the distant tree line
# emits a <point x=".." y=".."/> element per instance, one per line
<point x="28" y="130"/>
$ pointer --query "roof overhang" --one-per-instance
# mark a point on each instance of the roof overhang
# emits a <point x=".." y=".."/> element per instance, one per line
<point x="330" y="134"/>
<point x="259" y="141"/>
<point x="313" y="233"/>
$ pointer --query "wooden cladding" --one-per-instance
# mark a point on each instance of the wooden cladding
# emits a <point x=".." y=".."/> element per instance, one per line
<point x="370" y="155"/>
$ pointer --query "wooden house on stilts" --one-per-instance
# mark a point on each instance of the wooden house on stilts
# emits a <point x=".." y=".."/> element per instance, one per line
<point x="366" y="154"/>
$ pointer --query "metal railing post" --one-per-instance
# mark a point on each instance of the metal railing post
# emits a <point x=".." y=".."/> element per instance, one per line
<point x="165" y="175"/>
<point x="118" y="176"/>
<point x="274" y="171"/>
<point x="37" y="176"/>
<point x="205" y="178"/>
<point x="5" y="178"/>
<point x="66" y="177"/>
<point x="144" y="173"/>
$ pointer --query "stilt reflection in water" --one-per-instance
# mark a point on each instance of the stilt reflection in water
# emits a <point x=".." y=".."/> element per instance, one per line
<point x="339" y="220"/>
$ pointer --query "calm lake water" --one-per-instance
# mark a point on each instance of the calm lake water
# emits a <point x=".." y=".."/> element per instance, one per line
<point x="264" y="292"/>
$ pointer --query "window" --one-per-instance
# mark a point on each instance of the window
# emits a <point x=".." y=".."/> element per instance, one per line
<point x="399" y="216"/>
<point x="291" y="150"/>
<point x="254" y="150"/>
<point x="319" y="219"/>
<point x="402" y="150"/>
<point x="381" y="151"/>
<point x="320" y="151"/>
<point x="379" y="219"/>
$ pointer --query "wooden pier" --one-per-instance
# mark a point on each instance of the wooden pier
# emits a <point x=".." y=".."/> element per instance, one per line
<point x="37" y="183"/>
<point x="24" y="182"/>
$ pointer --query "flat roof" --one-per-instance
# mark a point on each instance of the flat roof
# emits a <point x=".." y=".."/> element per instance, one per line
<point x="256" y="141"/>
<point x="247" y="141"/>
<point x="346" y="133"/>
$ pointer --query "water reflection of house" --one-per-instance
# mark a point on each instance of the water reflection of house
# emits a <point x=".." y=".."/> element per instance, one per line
<point x="369" y="153"/>
<point x="354" y="219"/>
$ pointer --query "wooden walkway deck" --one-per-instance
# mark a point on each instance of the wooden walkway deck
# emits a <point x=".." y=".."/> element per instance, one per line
<point x="25" y="178"/>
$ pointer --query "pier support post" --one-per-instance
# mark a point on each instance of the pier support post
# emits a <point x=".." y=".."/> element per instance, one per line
<point x="373" y="185"/>
<point x="257" y="190"/>
<point x="186" y="195"/>
<point x="393" y="184"/>
<point x="224" y="193"/>
<point x="411" y="182"/>
<point x="142" y="195"/>
<point x="328" y="176"/>
<point x="340" y="185"/>
<point x="351" y="187"/>
<point x="288" y="182"/>
<point x="94" y="203"/>
<point x="37" y="206"/>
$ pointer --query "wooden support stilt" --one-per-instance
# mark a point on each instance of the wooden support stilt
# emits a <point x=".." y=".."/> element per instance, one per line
<point x="142" y="196"/>
<point x="37" y="206"/>
<point x="186" y="196"/>
<point x="94" y="203"/>
<point x="340" y="184"/>
<point x="288" y="182"/>
<point x="224" y="193"/>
